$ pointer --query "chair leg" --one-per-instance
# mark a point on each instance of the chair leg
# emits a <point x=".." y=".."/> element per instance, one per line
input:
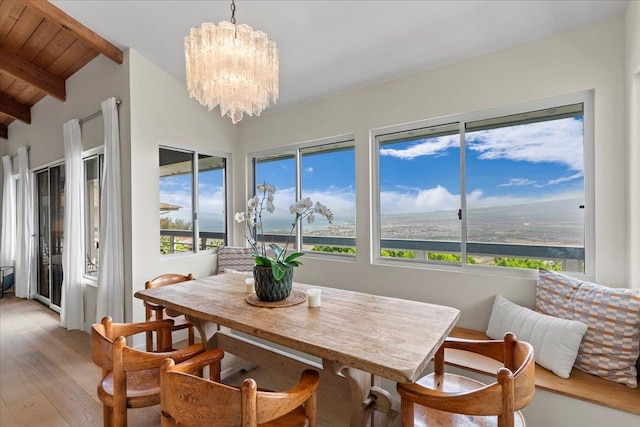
<point x="192" y="338"/>
<point x="149" y="341"/>
<point x="406" y="412"/>
<point x="106" y="415"/>
<point x="120" y="416"/>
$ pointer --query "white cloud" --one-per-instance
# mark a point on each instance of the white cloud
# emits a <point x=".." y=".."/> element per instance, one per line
<point x="558" y="141"/>
<point x="575" y="176"/>
<point x="439" y="199"/>
<point x="518" y="182"/>
<point x="309" y="170"/>
<point x="424" y="147"/>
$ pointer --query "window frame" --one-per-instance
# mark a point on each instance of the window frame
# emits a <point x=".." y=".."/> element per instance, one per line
<point x="97" y="153"/>
<point x="296" y="150"/>
<point x="584" y="97"/>
<point x="195" y="198"/>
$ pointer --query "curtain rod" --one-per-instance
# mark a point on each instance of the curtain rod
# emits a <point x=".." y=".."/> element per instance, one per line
<point x="96" y="114"/>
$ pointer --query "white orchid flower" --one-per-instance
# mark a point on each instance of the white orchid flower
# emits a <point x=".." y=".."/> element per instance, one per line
<point x="308" y="203"/>
<point x="310" y="219"/>
<point x="240" y="217"/>
<point x="270" y="207"/>
<point x="253" y="202"/>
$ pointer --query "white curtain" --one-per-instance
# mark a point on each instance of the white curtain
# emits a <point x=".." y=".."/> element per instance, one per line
<point x="8" y="242"/>
<point x="72" y="306"/>
<point x="111" y="272"/>
<point x="25" y="236"/>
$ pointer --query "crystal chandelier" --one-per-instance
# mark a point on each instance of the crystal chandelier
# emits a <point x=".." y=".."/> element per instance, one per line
<point x="232" y="66"/>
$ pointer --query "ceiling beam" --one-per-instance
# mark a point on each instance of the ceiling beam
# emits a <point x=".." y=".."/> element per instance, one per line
<point x="4" y="131"/>
<point x="57" y="16"/>
<point x="24" y="70"/>
<point x="14" y="109"/>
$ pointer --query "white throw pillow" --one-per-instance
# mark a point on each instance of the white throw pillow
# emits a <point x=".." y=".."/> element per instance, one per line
<point x="555" y="341"/>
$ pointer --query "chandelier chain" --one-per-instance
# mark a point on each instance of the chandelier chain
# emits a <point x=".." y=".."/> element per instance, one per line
<point x="233" y="12"/>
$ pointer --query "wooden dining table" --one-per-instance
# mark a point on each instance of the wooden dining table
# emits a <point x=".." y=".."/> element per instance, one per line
<point x="358" y="337"/>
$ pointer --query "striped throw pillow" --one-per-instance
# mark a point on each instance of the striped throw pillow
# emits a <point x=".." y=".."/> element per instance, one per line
<point x="611" y="345"/>
<point x="235" y="258"/>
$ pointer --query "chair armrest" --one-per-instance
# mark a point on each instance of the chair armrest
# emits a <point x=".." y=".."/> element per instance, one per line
<point x="130" y="329"/>
<point x="149" y="360"/>
<point x="198" y="362"/>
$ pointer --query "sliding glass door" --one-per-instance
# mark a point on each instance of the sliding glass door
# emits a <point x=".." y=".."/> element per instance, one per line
<point x="49" y="221"/>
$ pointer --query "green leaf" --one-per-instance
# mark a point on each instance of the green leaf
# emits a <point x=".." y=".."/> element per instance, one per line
<point x="292" y="264"/>
<point x="293" y="256"/>
<point x="277" y="270"/>
<point x="277" y="249"/>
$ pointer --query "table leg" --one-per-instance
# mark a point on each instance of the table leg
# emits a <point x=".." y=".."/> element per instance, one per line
<point x="368" y="399"/>
<point x="207" y="331"/>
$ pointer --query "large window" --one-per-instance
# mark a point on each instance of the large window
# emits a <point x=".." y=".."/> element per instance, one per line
<point x="92" y="186"/>
<point x="501" y="188"/>
<point x="324" y="171"/>
<point x="192" y="201"/>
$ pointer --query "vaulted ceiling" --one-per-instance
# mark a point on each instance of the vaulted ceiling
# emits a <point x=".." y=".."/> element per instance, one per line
<point x="41" y="47"/>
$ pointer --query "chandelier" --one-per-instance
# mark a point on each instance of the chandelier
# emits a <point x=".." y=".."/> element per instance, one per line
<point x="232" y="66"/>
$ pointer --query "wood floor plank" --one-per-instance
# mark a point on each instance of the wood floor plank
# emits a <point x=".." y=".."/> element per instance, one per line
<point x="73" y="403"/>
<point x="74" y="364"/>
<point x="24" y="401"/>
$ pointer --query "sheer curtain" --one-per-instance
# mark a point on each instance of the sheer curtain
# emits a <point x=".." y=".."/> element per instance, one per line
<point x="8" y="242"/>
<point x="24" y="238"/>
<point x="72" y="306"/>
<point x="111" y="272"/>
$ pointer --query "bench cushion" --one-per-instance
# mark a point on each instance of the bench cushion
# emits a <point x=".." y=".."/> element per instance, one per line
<point x="611" y="345"/>
<point x="555" y="341"/>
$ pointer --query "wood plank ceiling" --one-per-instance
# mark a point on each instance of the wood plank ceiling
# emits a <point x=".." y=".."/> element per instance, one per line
<point x="41" y="47"/>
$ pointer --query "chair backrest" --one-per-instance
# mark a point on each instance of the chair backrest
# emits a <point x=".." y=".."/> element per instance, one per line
<point x="110" y="352"/>
<point x="513" y="390"/>
<point x="234" y="258"/>
<point x="188" y="400"/>
<point x="168" y="279"/>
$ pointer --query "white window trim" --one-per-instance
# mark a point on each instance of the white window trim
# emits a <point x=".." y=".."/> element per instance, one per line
<point x="226" y="180"/>
<point x="584" y="97"/>
<point x="295" y="149"/>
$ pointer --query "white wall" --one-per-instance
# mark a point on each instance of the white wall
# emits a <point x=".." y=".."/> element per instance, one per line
<point x="632" y="78"/>
<point x="588" y="58"/>
<point x="162" y="114"/>
<point x="44" y="134"/>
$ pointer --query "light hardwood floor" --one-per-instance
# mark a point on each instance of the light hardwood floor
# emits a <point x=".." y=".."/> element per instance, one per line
<point x="47" y="377"/>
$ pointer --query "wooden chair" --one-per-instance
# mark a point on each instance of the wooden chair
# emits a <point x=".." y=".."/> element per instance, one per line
<point x="130" y="377"/>
<point x="188" y="400"/>
<point x="444" y="399"/>
<point x="158" y="312"/>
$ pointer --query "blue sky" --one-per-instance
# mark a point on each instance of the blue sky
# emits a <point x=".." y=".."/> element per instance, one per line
<point x="510" y="165"/>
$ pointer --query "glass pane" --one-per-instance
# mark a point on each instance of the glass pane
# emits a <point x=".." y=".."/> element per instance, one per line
<point x="420" y="194"/>
<point x="328" y="177"/>
<point x="57" y="176"/>
<point x="525" y="190"/>
<point x="280" y="172"/>
<point x="92" y="214"/>
<point x="211" y="201"/>
<point x="44" y="252"/>
<point x="176" y="201"/>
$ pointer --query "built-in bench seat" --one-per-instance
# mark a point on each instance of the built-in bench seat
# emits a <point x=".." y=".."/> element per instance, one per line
<point x="580" y="385"/>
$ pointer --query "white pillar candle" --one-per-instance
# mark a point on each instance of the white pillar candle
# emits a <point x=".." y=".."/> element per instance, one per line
<point x="314" y="297"/>
<point x="250" y="287"/>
